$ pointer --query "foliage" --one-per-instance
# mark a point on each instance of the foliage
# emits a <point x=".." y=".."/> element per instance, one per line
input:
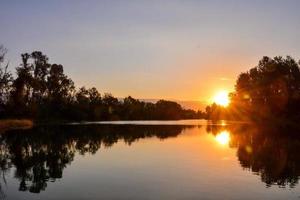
<point x="271" y="90"/>
<point x="271" y="87"/>
<point x="5" y="81"/>
<point x="42" y="91"/>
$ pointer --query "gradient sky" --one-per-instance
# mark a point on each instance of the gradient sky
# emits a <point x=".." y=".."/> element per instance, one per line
<point x="184" y="50"/>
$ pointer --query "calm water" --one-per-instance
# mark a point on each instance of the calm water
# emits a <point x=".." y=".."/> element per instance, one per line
<point x="158" y="160"/>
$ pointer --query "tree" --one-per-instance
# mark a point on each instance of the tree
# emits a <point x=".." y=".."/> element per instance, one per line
<point x="22" y="86"/>
<point x="168" y="110"/>
<point x="60" y="91"/>
<point x="40" y="72"/>
<point x="271" y="89"/>
<point x="110" y="107"/>
<point x="5" y="81"/>
<point x="60" y="87"/>
<point x="41" y="91"/>
<point x="95" y="104"/>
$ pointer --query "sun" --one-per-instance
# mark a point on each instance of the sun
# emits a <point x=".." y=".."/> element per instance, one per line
<point x="221" y="98"/>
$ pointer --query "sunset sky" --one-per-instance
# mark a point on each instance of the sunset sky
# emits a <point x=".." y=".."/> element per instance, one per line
<point x="183" y="50"/>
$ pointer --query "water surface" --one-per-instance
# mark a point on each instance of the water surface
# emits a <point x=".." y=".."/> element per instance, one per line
<point x="149" y="160"/>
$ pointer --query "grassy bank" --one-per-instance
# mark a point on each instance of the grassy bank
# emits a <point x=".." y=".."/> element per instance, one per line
<point x="9" y="124"/>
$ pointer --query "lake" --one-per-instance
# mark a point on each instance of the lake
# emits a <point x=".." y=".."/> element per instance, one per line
<point x="190" y="159"/>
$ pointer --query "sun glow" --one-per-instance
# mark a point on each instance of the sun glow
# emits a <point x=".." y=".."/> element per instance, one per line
<point x="221" y="98"/>
<point x="223" y="138"/>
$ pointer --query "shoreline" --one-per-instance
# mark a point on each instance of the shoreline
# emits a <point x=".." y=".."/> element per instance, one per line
<point x="13" y="124"/>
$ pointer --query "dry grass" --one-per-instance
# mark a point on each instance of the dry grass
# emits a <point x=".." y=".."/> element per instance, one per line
<point x="9" y="124"/>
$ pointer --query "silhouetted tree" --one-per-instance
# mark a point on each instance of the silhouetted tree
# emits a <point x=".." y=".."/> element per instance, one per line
<point x="269" y="90"/>
<point x="21" y="87"/>
<point x="216" y="112"/>
<point x="40" y="72"/>
<point x="5" y="82"/>
<point x="42" y="91"/>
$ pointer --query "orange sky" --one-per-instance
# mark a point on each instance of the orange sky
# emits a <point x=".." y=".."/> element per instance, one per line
<point x="180" y="50"/>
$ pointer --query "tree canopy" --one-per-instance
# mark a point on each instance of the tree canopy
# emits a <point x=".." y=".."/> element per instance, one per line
<point x="42" y="91"/>
<point x="269" y="90"/>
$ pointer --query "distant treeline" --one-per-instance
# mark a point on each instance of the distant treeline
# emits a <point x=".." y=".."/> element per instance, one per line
<point x="270" y="91"/>
<point x="42" y="91"/>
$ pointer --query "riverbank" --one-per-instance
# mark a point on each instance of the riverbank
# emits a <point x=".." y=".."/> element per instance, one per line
<point x="10" y="124"/>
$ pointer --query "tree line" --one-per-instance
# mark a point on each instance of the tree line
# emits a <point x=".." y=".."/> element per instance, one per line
<point x="270" y="90"/>
<point x="42" y="91"/>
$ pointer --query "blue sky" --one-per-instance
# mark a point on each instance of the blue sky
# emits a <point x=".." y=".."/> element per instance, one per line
<point x="184" y="50"/>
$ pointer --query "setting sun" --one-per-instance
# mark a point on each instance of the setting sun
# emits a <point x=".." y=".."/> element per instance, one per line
<point x="221" y="98"/>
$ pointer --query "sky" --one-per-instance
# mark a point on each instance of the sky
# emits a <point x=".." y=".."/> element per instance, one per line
<point x="177" y="49"/>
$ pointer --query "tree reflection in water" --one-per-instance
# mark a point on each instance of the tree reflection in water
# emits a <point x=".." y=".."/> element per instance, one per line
<point x="271" y="154"/>
<point x="40" y="154"/>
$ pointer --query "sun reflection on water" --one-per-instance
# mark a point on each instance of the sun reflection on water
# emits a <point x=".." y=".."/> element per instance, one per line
<point x="223" y="138"/>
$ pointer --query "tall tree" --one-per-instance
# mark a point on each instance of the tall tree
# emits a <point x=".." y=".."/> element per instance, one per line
<point x="40" y="72"/>
<point x="60" y="87"/>
<point x="273" y="86"/>
<point x="22" y="86"/>
<point x="5" y="80"/>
